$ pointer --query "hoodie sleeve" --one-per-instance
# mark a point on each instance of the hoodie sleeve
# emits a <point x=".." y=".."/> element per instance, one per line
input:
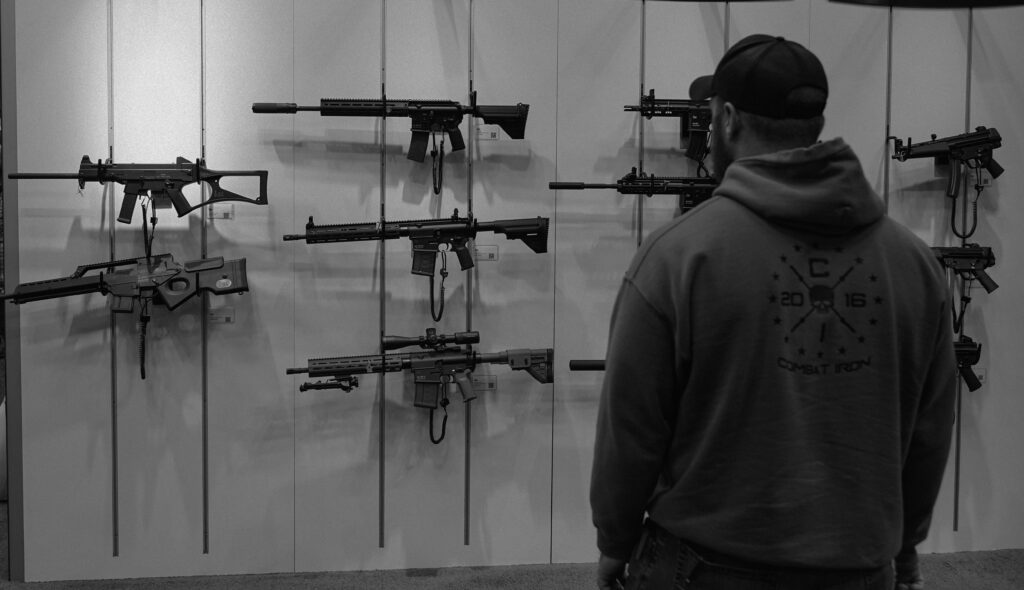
<point x="634" y="424"/>
<point x="930" y="439"/>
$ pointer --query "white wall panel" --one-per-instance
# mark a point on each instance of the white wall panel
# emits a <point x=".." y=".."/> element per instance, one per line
<point x="294" y="477"/>
<point x="65" y="345"/>
<point x="991" y="478"/>
<point x="510" y="468"/>
<point x="596" y="235"/>
<point x="251" y="402"/>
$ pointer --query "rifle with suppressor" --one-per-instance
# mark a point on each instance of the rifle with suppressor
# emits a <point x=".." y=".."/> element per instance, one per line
<point x="154" y="279"/>
<point x="159" y="180"/>
<point x="969" y="261"/>
<point x="692" y="191"/>
<point x="968" y="353"/>
<point x="430" y="237"/>
<point x="429" y="117"/>
<point x="694" y="117"/>
<point x="586" y="365"/>
<point x="442" y="362"/>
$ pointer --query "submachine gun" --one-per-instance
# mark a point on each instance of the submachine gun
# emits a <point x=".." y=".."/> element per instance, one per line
<point x="430" y="237"/>
<point x="148" y="280"/>
<point x="443" y="361"/>
<point x="692" y="191"/>
<point x="969" y="261"/>
<point x="965" y="151"/>
<point x="158" y="180"/>
<point x="429" y="117"/>
<point x="694" y="117"/>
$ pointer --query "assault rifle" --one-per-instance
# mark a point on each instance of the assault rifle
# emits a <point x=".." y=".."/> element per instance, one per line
<point x="428" y="116"/>
<point x="969" y="261"/>
<point x="968" y="353"/>
<point x="431" y="236"/>
<point x="967" y="150"/>
<point x="162" y="180"/>
<point x="442" y="361"/>
<point x="692" y="191"/>
<point x="155" y="279"/>
<point x="586" y="365"/>
<point x="694" y="116"/>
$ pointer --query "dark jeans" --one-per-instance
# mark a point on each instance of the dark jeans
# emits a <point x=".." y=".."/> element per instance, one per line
<point x="662" y="561"/>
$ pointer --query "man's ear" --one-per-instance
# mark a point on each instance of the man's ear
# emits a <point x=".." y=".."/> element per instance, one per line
<point x="730" y="120"/>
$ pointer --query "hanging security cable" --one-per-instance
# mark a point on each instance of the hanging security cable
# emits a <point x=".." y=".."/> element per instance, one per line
<point x="444" y="421"/>
<point x="437" y="157"/>
<point x="978" y="187"/>
<point x="444" y="275"/>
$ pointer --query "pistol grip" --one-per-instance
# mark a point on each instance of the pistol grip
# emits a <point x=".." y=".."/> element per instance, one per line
<point x="181" y="206"/>
<point x="465" y="256"/>
<point x="465" y="385"/>
<point x="970" y="377"/>
<point x="455" y="137"/>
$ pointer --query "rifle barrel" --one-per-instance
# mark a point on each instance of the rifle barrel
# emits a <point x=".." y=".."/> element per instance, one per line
<point x="576" y="186"/>
<point x="43" y="175"/>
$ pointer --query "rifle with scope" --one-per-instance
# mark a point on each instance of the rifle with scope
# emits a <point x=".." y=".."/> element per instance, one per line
<point x="148" y="280"/>
<point x="692" y="191"/>
<point x="694" y="117"/>
<point x="160" y="181"/>
<point x="969" y="261"/>
<point x="965" y="151"/>
<point x="443" y="361"/>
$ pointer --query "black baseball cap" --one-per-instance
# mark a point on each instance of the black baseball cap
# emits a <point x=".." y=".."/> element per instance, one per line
<point x="761" y="73"/>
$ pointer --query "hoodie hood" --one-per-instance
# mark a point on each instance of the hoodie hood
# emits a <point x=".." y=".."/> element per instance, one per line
<point x="818" y="189"/>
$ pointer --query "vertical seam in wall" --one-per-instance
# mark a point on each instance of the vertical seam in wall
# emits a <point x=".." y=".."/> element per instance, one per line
<point x="295" y="449"/>
<point x="640" y="148"/>
<point x="888" y="114"/>
<point x="109" y="189"/>
<point x="204" y="300"/>
<point x="554" y="298"/>
<point x="381" y="385"/>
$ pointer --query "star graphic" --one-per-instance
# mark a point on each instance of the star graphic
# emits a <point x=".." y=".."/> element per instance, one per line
<point x="878" y="300"/>
<point x="873" y="321"/>
<point x="873" y="279"/>
<point x="771" y="298"/>
<point x="842" y="350"/>
<point x="783" y="258"/>
<point x="861" y="340"/>
<point x="801" y="351"/>
<point x="777" y="320"/>
<point x="797" y="247"/>
<point x="775" y="276"/>
<point x="860" y="260"/>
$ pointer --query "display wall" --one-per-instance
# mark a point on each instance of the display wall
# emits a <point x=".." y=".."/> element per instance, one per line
<point x="216" y="463"/>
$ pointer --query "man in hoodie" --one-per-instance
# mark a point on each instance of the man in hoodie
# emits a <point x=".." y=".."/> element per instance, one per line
<point x="778" y="398"/>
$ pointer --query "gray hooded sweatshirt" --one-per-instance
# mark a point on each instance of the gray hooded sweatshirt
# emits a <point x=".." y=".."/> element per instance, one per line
<point x="780" y="374"/>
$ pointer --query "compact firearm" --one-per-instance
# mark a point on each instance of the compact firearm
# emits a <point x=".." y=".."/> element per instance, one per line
<point x="968" y="150"/>
<point x="428" y="116"/>
<point x="694" y="116"/>
<point x="160" y="180"/>
<point x="969" y="261"/>
<point x="692" y="191"/>
<point x="968" y="353"/>
<point x="155" y="279"/>
<point x="442" y="361"/>
<point x="430" y="236"/>
<point x="586" y="365"/>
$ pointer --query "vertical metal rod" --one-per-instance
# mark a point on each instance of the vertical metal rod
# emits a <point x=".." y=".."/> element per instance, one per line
<point x="963" y="282"/>
<point x="204" y="300"/>
<point x="726" y="32"/>
<point x="888" y="115"/>
<point x="109" y="189"/>
<point x="469" y="288"/>
<point x="640" y="119"/>
<point x="383" y="187"/>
